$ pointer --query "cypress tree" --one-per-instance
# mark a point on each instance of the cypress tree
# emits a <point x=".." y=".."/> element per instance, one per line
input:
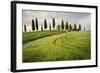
<point x="66" y="25"/>
<point x="53" y="23"/>
<point x="36" y="24"/>
<point x="58" y="27"/>
<point x="25" y="28"/>
<point x="33" y="25"/>
<point x="70" y="26"/>
<point x="79" y="27"/>
<point x="45" y="24"/>
<point x="62" y="24"/>
<point x="84" y="28"/>
<point x="75" y="28"/>
<point x="50" y="27"/>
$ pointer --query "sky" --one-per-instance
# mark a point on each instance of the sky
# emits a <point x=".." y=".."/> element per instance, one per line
<point x="71" y="17"/>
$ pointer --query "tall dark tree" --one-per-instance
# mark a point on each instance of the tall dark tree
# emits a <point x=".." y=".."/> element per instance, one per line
<point x="75" y="28"/>
<point x="84" y="28"/>
<point x="41" y="27"/>
<point x="37" y="24"/>
<point x="58" y="27"/>
<point x="79" y="27"/>
<point x="45" y="24"/>
<point x="66" y="25"/>
<point x="70" y="27"/>
<point x="25" y="28"/>
<point x="33" y="25"/>
<point x="53" y="23"/>
<point x="62" y="25"/>
<point x="50" y="26"/>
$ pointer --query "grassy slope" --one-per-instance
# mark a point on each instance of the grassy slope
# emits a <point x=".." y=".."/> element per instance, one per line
<point x="31" y="36"/>
<point x="66" y="46"/>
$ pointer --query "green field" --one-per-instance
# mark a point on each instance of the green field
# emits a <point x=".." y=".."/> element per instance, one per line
<point x="56" y="46"/>
<point x="31" y="36"/>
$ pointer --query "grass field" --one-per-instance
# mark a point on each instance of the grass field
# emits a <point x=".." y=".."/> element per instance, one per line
<point x="56" y="46"/>
<point x="29" y="36"/>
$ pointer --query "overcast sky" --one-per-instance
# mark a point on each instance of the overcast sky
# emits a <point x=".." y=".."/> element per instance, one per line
<point x="71" y="17"/>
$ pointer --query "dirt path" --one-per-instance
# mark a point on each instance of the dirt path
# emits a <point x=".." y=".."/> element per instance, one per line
<point x="53" y="39"/>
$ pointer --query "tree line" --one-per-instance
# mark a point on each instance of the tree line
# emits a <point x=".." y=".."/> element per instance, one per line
<point x="60" y="27"/>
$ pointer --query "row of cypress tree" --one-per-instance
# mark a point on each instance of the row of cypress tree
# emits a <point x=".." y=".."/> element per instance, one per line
<point x="35" y="25"/>
<point x="60" y="27"/>
<point x="69" y="27"/>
